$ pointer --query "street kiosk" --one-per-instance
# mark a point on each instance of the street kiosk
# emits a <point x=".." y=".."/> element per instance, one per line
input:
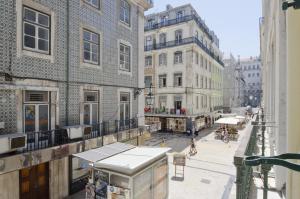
<point x="133" y="173"/>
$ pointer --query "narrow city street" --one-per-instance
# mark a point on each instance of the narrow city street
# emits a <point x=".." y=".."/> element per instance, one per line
<point x="208" y="174"/>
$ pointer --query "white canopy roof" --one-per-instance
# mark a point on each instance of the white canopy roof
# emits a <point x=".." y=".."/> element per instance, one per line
<point x="103" y="152"/>
<point x="132" y="160"/>
<point x="228" y="120"/>
<point x="228" y="114"/>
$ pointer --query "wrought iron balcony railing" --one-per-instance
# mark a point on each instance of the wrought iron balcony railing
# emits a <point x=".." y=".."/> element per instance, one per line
<point x="46" y="139"/>
<point x="186" y="18"/>
<point x="184" y="41"/>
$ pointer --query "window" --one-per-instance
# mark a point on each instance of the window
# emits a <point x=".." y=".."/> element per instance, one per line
<point x="90" y="107"/>
<point x="178" y="36"/>
<point x="36" y="111"/>
<point x="36" y="31"/>
<point x="205" y="64"/>
<point x="253" y="67"/>
<point x="197" y="100"/>
<point x="148" y="61"/>
<point x="257" y="67"/>
<point x="245" y="68"/>
<point x="163" y="59"/>
<point x="124" y="109"/>
<point x="205" y="81"/>
<point x="197" y="34"/>
<point x="91" y="47"/>
<point x="148" y="81"/>
<point x="148" y="41"/>
<point x="202" y="82"/>
<point x="150" y="22"/>
<point x="201" y="61"/>
<point x="94" y="3"/>
<point x="249" y="67"/>
<point x="162" y="39"/>
<point x="125" y="12"/>
<point x="179" y="15"/>
<point x="177" y="57"/>
<point x="125" y="57"/>
<point x="197" y="80"/>
<point x="177" y="79"/>
<point x="249" y="75"/>
<point x="209" y="66"/>
<point x="197" y="58"/>
<point x="162" y="81"/>
<point x="162" y="102"/>
<point x="163" y="19"/>
<point x="257" y="74"/>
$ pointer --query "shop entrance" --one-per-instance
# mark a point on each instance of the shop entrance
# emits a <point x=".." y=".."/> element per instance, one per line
<point x="34" y="182"/>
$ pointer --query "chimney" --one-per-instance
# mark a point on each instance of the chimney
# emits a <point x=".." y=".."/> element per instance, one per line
<point x="169" y="7"/>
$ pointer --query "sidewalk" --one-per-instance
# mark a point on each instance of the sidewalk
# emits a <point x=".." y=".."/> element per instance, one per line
<point x="209" y="174"/>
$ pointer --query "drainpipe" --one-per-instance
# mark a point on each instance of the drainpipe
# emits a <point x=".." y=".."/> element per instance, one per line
<point x="67" y="64"/>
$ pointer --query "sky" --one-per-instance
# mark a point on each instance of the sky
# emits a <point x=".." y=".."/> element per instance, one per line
<point x="235" y="22"/>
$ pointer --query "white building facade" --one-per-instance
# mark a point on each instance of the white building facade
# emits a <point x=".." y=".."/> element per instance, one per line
<point x="251" y="68"/>
<point x="183" y="63"/>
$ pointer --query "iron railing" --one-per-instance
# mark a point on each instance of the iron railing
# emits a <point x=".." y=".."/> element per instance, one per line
<point x="184" y="41"/>
<point x="246" y="148"/>
<point x="46" y="139"/>
<point x="178" y="20"/>
<point x="165" y="111"/>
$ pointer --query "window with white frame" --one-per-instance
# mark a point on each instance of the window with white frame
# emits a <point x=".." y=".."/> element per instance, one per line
<point x="124" y="107"/>
<point x="90" y="107"/>
<point x="148" y="81"/>
<point x="162" y="81"/>
<point x="148" y="40"/>
<point x="197" y="80"/>
<point x="163" y="19"/>
<point x="177" y="57"/>
<point x="180" y="15"/>
<point x="163" y="59"/>
<point x="36" y="111"/>
<point x="197" y="101"/>
<point x="124" y="57"/>
<point x="177" y="79"/>
<point x="148" y="61"/>
<point x="202" y="82"/>
<point x="178" y="36"/>
<point x="94" y="3"/>
<point x="91" y="47"/>
<point x="36" y="31"/>
<point x="125" y="12"/>
<point x="162" y="39"/>
<point x="162" y="102"/>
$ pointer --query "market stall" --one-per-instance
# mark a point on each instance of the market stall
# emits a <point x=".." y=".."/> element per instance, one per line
<point x="135" y="173"/>
<point x="228" y="124"/>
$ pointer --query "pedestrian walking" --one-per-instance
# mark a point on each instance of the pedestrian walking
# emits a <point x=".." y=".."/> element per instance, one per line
<point x="193" y="149"/>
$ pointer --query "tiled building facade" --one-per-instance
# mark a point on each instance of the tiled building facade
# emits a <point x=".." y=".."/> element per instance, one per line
<point x="65" y="63"/>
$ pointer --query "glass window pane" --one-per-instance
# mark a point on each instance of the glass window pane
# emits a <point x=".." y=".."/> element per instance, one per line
<point x="95" y="3"/>
<point x="86" y="114"/>
<point x="29" y="29"/>
<point x="121" y="48"/>
<point x="87" y="55"/>
<point x="94" y="57"/>
<point x="127" y="111"/>
<point x="95" y="48"/>
<point x="94" y="113"/>
<point x="29" y="41"/>
<point x="87" y="46"/>
<point x="30" y="15"/>
<point x="43" y="20"/>
<point x="43" y="117"/>
<point x="121" y="111"/>
<point x="29" y="118"/>
<point x="43" y="33"/>
<point x="95" y="38"/>
<point x="86" y="35"/>
<point x="43" y="45"/>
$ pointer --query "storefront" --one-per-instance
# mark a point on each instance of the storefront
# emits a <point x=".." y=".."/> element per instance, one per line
<point x="137" y="172"/>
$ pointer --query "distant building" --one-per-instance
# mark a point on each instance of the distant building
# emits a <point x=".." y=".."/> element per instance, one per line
<point x="251" y="68"/>
<point x="183" y="62"/>
<point x="233" y="83"/>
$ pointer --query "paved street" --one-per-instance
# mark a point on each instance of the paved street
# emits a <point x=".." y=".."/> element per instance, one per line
<point x="208" y="174"/>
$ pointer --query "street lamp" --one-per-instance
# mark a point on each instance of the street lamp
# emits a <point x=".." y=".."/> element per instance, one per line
<point x="150" y="98"/>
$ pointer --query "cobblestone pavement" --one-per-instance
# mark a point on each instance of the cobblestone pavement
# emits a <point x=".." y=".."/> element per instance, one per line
<point x="210" y="174"/>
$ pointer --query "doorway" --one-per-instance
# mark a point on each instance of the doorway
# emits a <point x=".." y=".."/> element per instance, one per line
<point x="34" y="182"/>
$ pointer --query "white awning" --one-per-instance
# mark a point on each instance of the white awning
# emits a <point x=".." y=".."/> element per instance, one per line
<point x="227" y="120"/>
<point x="103" y="152"/>
<point x="132" y="160"/>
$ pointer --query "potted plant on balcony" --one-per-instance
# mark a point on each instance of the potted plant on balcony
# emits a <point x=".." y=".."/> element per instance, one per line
<point x="182" y="111"/>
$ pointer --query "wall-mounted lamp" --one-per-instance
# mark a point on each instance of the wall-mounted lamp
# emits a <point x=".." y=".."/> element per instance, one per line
<point x="295" y="4"/>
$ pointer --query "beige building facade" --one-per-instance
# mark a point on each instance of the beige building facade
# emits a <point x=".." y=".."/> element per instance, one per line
<point x="183" y="63"/>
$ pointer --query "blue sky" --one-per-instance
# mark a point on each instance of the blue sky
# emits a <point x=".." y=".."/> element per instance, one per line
<point x="236" y="22"/>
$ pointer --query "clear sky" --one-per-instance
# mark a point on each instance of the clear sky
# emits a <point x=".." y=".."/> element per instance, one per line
<point x="235" y="22"/>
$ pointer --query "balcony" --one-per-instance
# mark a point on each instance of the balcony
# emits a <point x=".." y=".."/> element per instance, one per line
<point x="185" y="41"/>
<point x="56" y="137"/>
<point x="165" y="111"/>
<point x="187" y="18"/>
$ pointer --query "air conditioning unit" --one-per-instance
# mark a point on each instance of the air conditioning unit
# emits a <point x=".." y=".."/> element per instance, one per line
<point x="76" y="132"/>
<point x="12" y="142"/>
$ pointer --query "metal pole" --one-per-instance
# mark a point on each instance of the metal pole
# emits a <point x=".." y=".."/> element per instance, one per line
<point x="265" y="170"/>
